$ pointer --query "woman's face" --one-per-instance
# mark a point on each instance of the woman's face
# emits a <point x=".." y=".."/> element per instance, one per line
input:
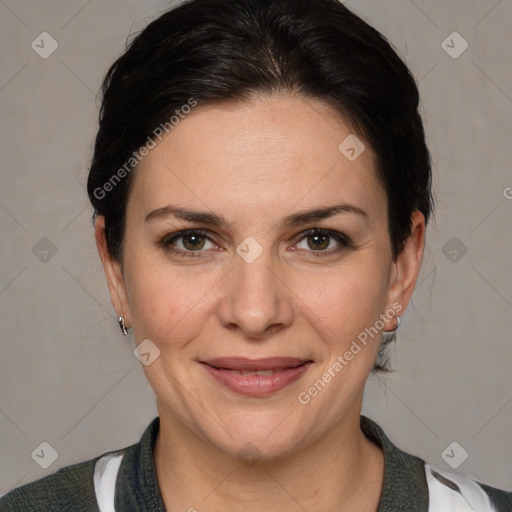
<point x="292" y="259"/>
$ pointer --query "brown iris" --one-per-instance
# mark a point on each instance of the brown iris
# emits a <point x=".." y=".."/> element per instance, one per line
<point x="196" y="241"/>
<point x="320" y="241"/>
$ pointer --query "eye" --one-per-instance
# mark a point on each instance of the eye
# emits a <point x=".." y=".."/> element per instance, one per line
<point x="324" y="242"/>
<point x="194" y="243"/>
<point x="186" y="243"/>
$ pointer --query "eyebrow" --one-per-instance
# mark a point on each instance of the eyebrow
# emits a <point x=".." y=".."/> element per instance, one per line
<point x="213" y="219"/>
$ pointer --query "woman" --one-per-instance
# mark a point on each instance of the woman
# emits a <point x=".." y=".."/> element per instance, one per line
<point x="262" y="188"/>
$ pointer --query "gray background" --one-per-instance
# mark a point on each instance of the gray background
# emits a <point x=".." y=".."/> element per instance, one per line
<point x="70" y="379"/>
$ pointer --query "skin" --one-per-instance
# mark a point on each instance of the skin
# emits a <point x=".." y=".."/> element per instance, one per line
<point x="255" y="163"/>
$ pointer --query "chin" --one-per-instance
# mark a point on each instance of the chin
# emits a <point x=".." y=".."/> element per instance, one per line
<point x="262" y="435"/>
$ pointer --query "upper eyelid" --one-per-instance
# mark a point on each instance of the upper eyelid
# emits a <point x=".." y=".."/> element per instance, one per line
<point x="184" y="232"/>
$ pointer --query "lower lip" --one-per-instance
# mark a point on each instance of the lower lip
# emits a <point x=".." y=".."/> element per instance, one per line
<point x="257" y="385"/>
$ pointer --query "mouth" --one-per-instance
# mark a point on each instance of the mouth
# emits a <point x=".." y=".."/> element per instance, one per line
<point x="256" y="377"/>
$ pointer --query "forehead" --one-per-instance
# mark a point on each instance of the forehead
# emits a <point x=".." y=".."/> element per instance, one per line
<point x="268" y="156"/>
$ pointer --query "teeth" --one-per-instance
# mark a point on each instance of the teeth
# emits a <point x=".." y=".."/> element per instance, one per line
<point x="259" y="372"/>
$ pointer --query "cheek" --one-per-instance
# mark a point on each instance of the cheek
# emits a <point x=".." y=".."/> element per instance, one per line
<point x="166" y="302"/>
<point x="343" y="301"/>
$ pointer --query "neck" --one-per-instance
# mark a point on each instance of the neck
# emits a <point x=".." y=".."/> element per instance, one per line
<point x="342" y="470"/>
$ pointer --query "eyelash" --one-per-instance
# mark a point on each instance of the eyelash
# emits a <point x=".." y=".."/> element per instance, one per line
<point x="165" y="243"/>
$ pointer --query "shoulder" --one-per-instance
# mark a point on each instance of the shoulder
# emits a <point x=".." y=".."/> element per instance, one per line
<point x="77" y="488"/>
<point x="411" y="482"/>
<point x="81" y="487"/>
<point x="70" y="488"/>
<point x="451" y="491"/>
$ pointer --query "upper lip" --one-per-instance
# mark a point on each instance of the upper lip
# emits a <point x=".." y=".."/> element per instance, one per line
<point x="244" y="364"/>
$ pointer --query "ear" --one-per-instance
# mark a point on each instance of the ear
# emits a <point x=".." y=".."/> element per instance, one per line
<point x="113" y="272"/>
<point x="407" y="266"/>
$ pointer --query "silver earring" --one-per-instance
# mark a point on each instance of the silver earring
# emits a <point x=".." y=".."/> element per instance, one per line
<point x="122" y="325"/>
<point x="398" y="322"/>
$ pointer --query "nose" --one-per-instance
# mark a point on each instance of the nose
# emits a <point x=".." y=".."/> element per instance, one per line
<point x="255" y="299"/>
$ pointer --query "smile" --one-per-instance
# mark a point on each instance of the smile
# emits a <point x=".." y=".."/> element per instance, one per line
<point x="260" y="377"/>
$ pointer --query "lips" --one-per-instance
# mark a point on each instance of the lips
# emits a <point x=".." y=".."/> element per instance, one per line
<point x="256" y="377"/>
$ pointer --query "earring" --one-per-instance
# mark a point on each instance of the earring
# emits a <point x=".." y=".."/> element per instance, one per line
<point x="122" y="325"/>
<point x="398" y="322"/>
